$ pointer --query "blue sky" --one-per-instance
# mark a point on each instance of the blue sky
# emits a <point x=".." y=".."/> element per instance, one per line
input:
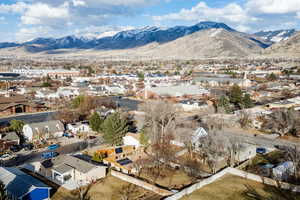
<point x="22" y="20"/>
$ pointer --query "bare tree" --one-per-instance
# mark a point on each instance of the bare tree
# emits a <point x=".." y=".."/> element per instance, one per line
<point x="234" y="146"/>
<point x="67" y="116"/>
<point x="245" y="119"/>
<point x="293" y="153"/>
<point x="159" y="119"/>
<point x="282" y="121"/>
<point x="213" y="148"/>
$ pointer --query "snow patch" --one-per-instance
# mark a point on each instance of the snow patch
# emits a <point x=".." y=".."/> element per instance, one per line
<point x="215" y="32"/>
<point x="276" y="39"/>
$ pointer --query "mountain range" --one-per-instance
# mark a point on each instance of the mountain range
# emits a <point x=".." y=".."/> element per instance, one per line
<point x="205" y="39"/>
<point x="276" y="36"/>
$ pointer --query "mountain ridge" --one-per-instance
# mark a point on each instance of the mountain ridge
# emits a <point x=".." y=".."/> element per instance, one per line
<point x="122" y="40"/>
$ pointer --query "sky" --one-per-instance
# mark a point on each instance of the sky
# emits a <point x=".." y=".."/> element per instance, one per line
<point x="23" y="20"/>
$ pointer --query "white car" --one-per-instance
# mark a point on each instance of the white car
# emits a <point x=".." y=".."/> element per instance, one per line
<point x="6" y="157"/>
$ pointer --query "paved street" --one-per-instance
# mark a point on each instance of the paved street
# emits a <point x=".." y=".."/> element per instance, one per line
<point x="34" y="156"/>
<point x="29" y="118"/>
<point x="258" y="140"/>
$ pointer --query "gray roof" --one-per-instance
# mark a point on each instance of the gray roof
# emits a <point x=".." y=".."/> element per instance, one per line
<point x="179" y="90"/>
<point x="18" y="183"/>
<point x="53" y="126"/>
<point x="219" y="79"/>
<point x="62" y="168"/>
<point x="11" y="136"/>
<point x="73" y="162"/>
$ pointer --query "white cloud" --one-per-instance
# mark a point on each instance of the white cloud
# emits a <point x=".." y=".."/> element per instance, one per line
<point x="41" y="13"/>
<point x="273" y="6"/>
<point x="18" y="7"/>
<point x="233" y="13"/>
<point x="78" y="3"/>
<point x="26" y="34"/>
<point x="243" y="28"/>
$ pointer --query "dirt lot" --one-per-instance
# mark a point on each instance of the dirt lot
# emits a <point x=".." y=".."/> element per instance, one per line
<point x="231" y="188"/>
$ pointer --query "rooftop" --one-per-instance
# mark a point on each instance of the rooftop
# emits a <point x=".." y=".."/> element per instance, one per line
<point x="18" y="183"/>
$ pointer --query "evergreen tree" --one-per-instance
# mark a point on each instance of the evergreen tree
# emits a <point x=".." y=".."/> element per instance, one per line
<point x="247" y="101"/>
<point x="236" y="95"/>
<point x="144" y="139"/>
<point x="141" y="76"/>
<point x="16" y="125"/>
<point x="96" y="122"/>
<point x="3" y="194"/>
<point x="272" y="77"/>
<point x="78" y="101"/>
<point x="114" y="128"/>
<point x="224" y="103"/>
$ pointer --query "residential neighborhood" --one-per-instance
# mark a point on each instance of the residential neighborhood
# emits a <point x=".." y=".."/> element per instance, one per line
<point x="161" y="136"/>
<point x="149" y="100"/>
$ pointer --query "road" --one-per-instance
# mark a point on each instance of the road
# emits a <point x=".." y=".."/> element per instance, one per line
<point x="29" y="118"/>
<point x="258" y="140"/>
<point x="35" y="156"/>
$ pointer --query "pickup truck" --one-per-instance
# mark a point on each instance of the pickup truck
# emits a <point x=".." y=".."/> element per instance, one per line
<point x="48" y="155"/>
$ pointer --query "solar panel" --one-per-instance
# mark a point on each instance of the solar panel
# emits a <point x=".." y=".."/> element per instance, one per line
<point x="119" y="150"/>
<point x="125" y="161"/>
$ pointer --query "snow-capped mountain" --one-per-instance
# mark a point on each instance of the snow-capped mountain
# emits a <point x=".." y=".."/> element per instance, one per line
<point x="276" y="36"/>
<point x="125" y="39"/>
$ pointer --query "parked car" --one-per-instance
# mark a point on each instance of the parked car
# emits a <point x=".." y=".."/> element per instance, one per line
<point x="6" y="156"/>
<point x="15" y="148"/>
<point x="28" y="146"/>
<point x="261" y="150"/>
<point x="53" y="147"/>
<point x="48" y="155"/>
<point x="68" y="135"/>
<point x="91" y="137"/>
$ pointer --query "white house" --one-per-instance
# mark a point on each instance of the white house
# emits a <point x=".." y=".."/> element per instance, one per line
<point x="246" y="152"/>
<point x="132" y="139"/>
<point x="191" y="105"/>
<point x="194" y="138"/>
<point x="283" y="171"/>
<point x="43" y="130"/>
<point x="79" y="127"/>
<point x="70" y="171"/>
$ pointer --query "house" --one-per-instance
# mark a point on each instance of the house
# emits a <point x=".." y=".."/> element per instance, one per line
<point x="283" y="171"/>
<point x="132" y="139"/>
<point x="222" y="81"/>
<point x="246" y="151"/>
<point x="66" y="169"/>
<point x="191" y="105"/>
<point x="21" y="186"/>
<point x="177" y="91"/>
<point x="79" y="127"/>
<point x="12" y="104"/>
<point x="120" y="157"/>
<point x="11" y="137"/>
<point x="194" y="138"/>
<point x="43" y="130"/>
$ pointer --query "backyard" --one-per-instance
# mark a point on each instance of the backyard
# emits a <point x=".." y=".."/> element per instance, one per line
<point x="169" y="178"/>
<point x="232" y="187"/>
<point x="110" y="188"/>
